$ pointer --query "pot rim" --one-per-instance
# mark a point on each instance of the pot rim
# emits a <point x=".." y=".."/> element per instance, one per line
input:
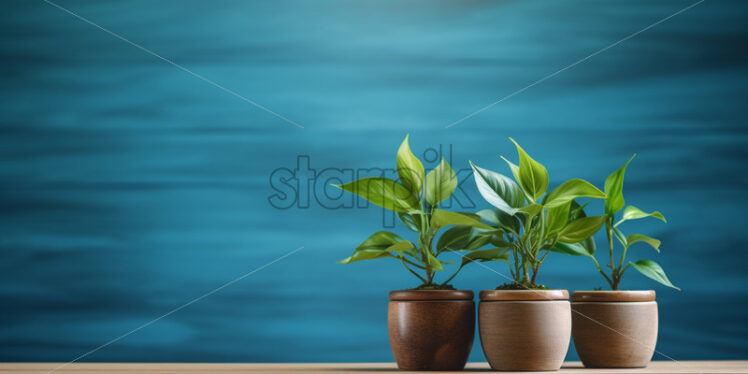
<point x="524" y="295"/>
<point x="426" y="295"/>
<point x="613" y="296"/>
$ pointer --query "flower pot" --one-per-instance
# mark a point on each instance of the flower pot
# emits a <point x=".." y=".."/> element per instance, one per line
<point x="431" y="330"/>
<point x="614" y="329"/>
<point x="524" y="329"/>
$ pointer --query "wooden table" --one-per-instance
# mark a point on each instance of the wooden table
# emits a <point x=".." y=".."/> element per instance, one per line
<point x="570" y="367"/>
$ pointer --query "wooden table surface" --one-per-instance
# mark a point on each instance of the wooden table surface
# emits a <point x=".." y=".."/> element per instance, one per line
<point x="122" y="368"/>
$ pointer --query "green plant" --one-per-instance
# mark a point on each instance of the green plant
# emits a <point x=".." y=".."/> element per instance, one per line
<point x="416" y="200"/>
<point x="530" y="223"/>
<point x="614" y="202"/>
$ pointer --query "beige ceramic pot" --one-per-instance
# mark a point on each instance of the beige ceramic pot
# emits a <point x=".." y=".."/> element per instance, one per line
<point x="614" y="329"/>
<point x="524" y="329"/>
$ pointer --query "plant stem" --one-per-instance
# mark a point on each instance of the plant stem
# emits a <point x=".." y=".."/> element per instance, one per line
<point x="411" y="270"/>
<point x="623" y="258"/>
<point x="597" y="264"/>
<point x="534" y="273"/>
<point x="615" y="276"/>
<point x="620" y="275"/>
<point x="430" y="270"/>
<point x="453" y="275"/>
<point x="516" y="265"/>
<point x="537" y="265"/>
<point x="511" y="270"/>
<point x="422" y="246"/>
<point x="609" y="232"/>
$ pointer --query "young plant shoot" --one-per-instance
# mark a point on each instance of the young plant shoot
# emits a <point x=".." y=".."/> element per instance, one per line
<point x="416" y="200"/>
<point x="529" y="223"/>
<point x="614" y="202"/>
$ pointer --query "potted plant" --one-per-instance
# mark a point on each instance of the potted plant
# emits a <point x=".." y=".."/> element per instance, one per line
<point x="617" y="328"/>
<point x="431" y="327"/>
<point x="524" y="325"/>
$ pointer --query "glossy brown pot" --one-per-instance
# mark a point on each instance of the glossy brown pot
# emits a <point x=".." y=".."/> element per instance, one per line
<point x="431" y="330"/>
<point x="614" y="329"/>
<point x="523" y="330"/>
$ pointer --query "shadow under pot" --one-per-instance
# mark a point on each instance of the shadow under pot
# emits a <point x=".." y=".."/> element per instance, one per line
<point x="524" y="330"/>
<point x="431" y="329"/>
<point x="614" y="329"/>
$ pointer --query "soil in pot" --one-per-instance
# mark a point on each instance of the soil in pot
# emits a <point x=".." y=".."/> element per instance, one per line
<point x="524" y="330"/>
<point x="431" y="329"/>
<point x="614" y="329"/>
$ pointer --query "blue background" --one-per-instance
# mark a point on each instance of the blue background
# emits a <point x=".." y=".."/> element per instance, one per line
<point x="130" y="187"/>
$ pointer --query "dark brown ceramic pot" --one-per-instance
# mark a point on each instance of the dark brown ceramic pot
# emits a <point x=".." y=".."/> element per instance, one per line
<point x="431" y="330"/>
<point x="614" y="329"/>
<point x="524" y="330"/>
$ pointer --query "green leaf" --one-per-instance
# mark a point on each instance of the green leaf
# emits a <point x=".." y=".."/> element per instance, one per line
<point x="576" y="211"/>
<point x="653" y="271"/>
<point x="631" y="212"/>
<point x="576" y="249"/>
<point x="401" y="247"/>
<point x="589" y="245"/>
<point x="502" y="220"/>
<point x="379" y="245"/>
<point x="474" y="216"/>
<point x="533" y="177"/>
<point x="531" y="210"/>
<point x="442" y="218"/>
<point x="621" y="238"/>
<point x="635" y="238"/>
<point x="498" y="190"/>
<point x="463" y="238"/>
<point x="365" y="254"/>
<point x="411" y="221"/>
<point x="571" y="190"/>
<point x="383" y="192"/>
<point x="498" y="241"/>
<point x="581" y="229"/>
<point x="492" y="216"/>
<point x="513" y="167"/>
<point x="440" y="183"/>
<point x="557" y="218"/>
<point x="614" y="190"/>
<point x="409" y="168"/>
<point x="433" y="262"/>
<point x="453" y="238"/>
<point x="483" y="255"/>
<point x="380" y="240"/>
